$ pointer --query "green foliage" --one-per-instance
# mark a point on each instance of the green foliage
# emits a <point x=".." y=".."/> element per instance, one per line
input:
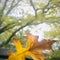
<point x="54" y="32"/>
<point x="39" y="5"/>
<point x="40" y="16"/>
<point x="55" y="1"/>
<point x="54" y="55"/>
<point x="46" y="13"/>
<point x="27" y="18"/>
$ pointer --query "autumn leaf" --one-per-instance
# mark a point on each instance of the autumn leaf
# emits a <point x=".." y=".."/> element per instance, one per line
<point x="44" y="44"/>
<point x="34" y="48"/>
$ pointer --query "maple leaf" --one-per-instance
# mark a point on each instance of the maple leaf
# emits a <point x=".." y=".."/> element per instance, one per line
<point x="44" y="44"/>
<point x="34" y="48"/>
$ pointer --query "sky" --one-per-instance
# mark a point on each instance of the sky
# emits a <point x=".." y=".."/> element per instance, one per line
<point x="24" y="9"/>
<point x="39" y="30"/>
<point x="23" y="5"/>
<point x="29" y="10"/>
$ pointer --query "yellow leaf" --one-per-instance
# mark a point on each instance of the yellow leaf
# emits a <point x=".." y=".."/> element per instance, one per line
<point x="33" y="49"/>
<point x="17" y="44"/>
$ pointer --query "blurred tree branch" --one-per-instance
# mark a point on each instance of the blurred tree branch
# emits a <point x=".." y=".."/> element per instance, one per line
<point x="7" y="27"/>
<point x="4" y="6"/>
<point x="12" y="6"/>
<point x="21" y="27"/>
<point x="31" y="2"/>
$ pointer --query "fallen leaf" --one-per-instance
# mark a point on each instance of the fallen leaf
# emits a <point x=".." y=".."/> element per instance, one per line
<point x="34" y="48"/>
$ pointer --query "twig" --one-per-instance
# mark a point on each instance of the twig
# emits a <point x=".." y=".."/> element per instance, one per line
<point x="31" y="2"/>
<point x="2" y="29"/>
<point x="46" y="6"/>
<point x="17" y="31"/>
<point x="12" y="6"/>
<point x="5" y="28"/>
<point x="4" y="6"/>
